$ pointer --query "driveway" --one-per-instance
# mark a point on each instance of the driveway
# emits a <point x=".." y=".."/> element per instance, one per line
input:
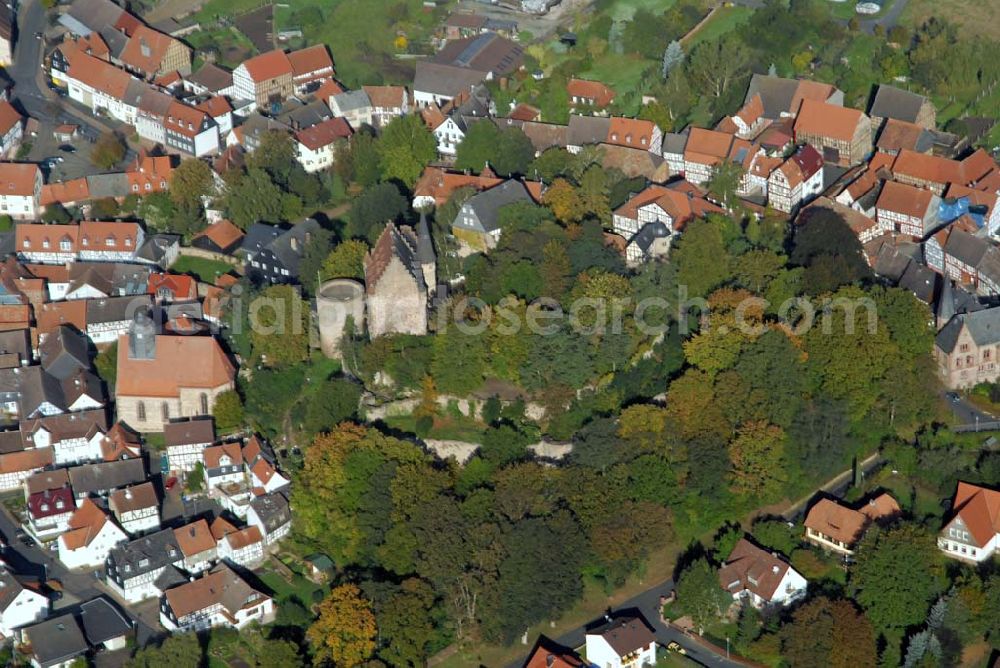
<point x="648" y="603"/>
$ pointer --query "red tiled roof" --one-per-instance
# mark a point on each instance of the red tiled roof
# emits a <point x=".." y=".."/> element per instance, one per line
<point x="386" y="97"/>
<point x="223" y="234"/>
<point x="324" y="134"/>
<point x="18" y="178"/>
<point x="180" y="286"/>
<point x="194" y="538"/>
<point x="65" y="192"/>
<point x="146" y="49"/>
<point x="631" y="132"/>
<point x="591" y="90"/>
<point x="118" y="237"/>
<point x="50" y="502"/>
<point x="673" y="199"/>
<point x="525" y="112"/>
<point x="181" y="361"/>
<point x="979" y="508"/>
<point x="754" y="569"/>
<point x="9" y="117"/>
<point x="215" y="106"/>
<point x="41" y="236"/>
<point x="312" y="62"/>
<point x="213" y="454"/>
<point x="184" y="119"/>
<point x="839" y="522"/>
<point x="827" y="120"/>
<point x="270" y="65"/>
<point x="752" y="111"/>
<point x="903" y="199"/>
<point x="99" y="75"/>
<point x="707" y="146"/>
<point x="440" y="183"/>
<point x="84" y="525"/>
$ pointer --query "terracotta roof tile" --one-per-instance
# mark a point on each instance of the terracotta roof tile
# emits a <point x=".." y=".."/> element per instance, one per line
<point x="65" y="192"/>
<point x="84" y="525"/>
<point x="133" y="498"/>
<point x="839" y="522"/>
<point x="270" y="65"/>
<point x="146" y="49"/>
<point x="9" y="117"/>
<point x="18" y="178"/>
<point x="827" y="120"/>
<point x="312" y="62"/>
<point x="591" y="90"/>
<point x="213" y="454"/>
<point x="631" y="132"/>
<point x="904" y="199"/>
<point x="324" y="133"/>
<point x="440" y="183"/>
<point x="979" y="508"/>
<point x="194" y="538"/>
<point x="190" y="362"/>
<point x="702" y="144"/>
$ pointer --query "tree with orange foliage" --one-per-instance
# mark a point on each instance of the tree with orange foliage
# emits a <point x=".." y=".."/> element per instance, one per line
<point x="344" y="632"/>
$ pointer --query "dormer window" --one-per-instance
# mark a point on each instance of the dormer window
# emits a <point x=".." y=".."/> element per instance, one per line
<point x="614" y="136"/>
<point x="60" y="503"/>
<point x="85" y="242"/>
<point x="628" y="139"/>
<point x="128" y="243"/>
<point x="45" y="242"/>
<point x="44" y="507"/>
<point x="26" y="243"/>
<point x="143" y="563"/>
<point x="110" y="242"/>
<point x="643" y="141"/>
<point x="65" y="245"/>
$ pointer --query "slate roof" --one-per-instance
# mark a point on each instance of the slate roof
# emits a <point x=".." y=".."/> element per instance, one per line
<point x="146" y="554"/>
<point x="781" y="95"/>
<point x="102" y="621"/>
<point x="488" y="203"/>
<point x="273" y="510"/>
<point x="394" y="242"/>
<point x="289" y="247"/>
<point x="625" y="634"/>
<point x="258" y="237"/>
<point x="649" y="233"/>
<point x="892" y="102"/>
<point x="90" y="478"/>
<point x="56" y="640"/>
<point x="583" y="130"/>
<point x="983" y="326"/>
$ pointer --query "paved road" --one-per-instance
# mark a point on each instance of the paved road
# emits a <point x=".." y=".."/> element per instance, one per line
<point x="78" y="586"/>
<point x="648" y="603"/>
<point x="30" y="90"/>
<point x="966" y="412"/>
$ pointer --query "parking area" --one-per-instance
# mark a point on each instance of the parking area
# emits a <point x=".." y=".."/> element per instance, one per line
<point x="72" y="159"/>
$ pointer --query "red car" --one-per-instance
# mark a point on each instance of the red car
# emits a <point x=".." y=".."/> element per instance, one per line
<point x="171" y="482"/>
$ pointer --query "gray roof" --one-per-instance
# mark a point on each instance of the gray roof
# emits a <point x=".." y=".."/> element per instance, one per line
<point x="31" y="387"/>
<point x="919" y="280"/>
<point x="258" y="237"/>
<point x="488" y="203"/>
<point x="108" y="185"/>
<point x="64" y="352"/>
<point x="485" y="53"/>
<point x="156" y="246"/>
<point x="272" y="509"/>
<point x="776" y="93"/>
<point x="111" y="278"/>
<point x="116" y="309"/>
<point x="299" y="116"/>
<point x="93" y="478"/>
<point x="189" y="432"/>
<point x="212" y="77"/>
<point x="966" y="247"/>
<point x="649" y="233"/>
<point x="56" y="640"/>
<point x="170" y="577"/>
<point x="444" y="80"/>
<point x="425" y="247"/>
<point x="351" y="100"/>
<point x="583" y="130"/>
<point x="102" y="621"/>
<point x="675" y="142"/>
<point x="290" y="246"/>
<point x="115" y="39"/>
<point x="892" y="102"/>
<point x="95" y="14"/>
<point x="145" y="554"/>
<point x="983" y="326"/>
<point x="6" y="21"/>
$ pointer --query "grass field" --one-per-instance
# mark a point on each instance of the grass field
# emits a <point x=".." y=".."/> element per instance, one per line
<point x="202" y="269"/>
<point x="977" y="18"/>
<point x="724" y="20"/>
<point x="446" y="428"/>
<point x="361" y="34"/>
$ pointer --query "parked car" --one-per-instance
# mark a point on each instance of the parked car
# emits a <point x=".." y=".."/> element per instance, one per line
<point x="67" y="148"/>
<point x="674" y="647"/>
<point x="171" y="482"/>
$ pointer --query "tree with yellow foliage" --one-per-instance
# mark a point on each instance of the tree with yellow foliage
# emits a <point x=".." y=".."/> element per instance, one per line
<point x="344" y="632"/>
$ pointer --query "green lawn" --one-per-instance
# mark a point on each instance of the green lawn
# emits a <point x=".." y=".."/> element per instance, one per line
<point x="201" y="268"/>
<point x="300" y="587"/>
<point x="446" y="428"/>
<point x="233" y="46"/>
<point x="724" y="20"/>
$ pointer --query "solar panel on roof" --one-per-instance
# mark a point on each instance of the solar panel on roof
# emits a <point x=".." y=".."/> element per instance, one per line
<point x="473" y="49"/>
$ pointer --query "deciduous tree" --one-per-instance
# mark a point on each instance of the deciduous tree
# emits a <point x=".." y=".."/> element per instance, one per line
<point x="344" y="632"/>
